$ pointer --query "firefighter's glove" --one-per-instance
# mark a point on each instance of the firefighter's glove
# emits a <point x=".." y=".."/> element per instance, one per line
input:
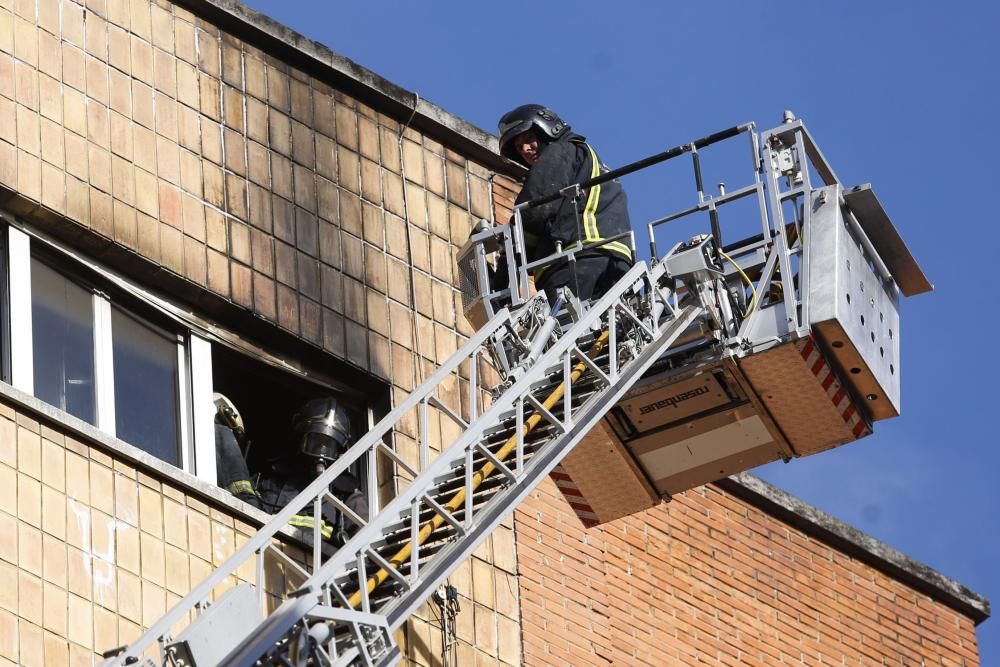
<point x="243" y="489"/>
<point x="306" y="522"/>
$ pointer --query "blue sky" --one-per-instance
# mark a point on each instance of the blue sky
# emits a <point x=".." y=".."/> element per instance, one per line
<point x="903" y="95"/>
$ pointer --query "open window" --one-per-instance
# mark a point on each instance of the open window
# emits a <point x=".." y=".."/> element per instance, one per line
<point x="268" y="399"/>
<point x="137" y="367"/>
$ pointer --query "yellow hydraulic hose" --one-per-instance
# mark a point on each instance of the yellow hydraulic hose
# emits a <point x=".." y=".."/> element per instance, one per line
<point x="456" y="501"/>
<point x="753" y="290"/>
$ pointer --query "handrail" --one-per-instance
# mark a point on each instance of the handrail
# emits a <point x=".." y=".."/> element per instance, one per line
<point x="642" y="164"/>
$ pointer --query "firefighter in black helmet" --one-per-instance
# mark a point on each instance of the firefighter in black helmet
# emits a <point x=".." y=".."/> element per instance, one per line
<point x="322" y="431"/>
<point x="556" y="157"/>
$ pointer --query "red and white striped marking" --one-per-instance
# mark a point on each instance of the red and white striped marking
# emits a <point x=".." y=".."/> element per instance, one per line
<point x="573" y="496"/>
<point x="828" y="380"/>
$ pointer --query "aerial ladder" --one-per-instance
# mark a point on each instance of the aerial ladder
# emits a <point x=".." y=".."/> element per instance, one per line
<point x="708" y="360"/>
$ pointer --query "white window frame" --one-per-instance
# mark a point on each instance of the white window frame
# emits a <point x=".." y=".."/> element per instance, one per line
<point x="201" y="456"/>
<point x="191" y="458"/>
<point x="195" y="382"/>
<point x="104" y="366"/>
<point x="22" y="363"/>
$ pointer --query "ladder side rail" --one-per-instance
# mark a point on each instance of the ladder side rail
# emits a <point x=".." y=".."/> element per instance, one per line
<point x="520" y="272"/>
<point x="541" y="464"/>
<point x="759" y="187"/>
<point x="317" y="488"/>
<point x="806" y="231"/>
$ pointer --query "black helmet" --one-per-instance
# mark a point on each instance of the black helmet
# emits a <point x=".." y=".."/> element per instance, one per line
<point x="324" y="428"/>
<point x="525" y="117"/>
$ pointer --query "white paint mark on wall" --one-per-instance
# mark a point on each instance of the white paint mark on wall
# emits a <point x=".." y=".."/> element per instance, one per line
<point x="219" y="543"/>
<point x="99" y="565"/>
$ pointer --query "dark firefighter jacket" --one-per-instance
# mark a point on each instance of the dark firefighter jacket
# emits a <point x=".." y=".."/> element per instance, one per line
<point x="600" y="213"/>
<point x="231" y="469"/>
<point x="280" y="485"/>
<point x="278" y="488"/>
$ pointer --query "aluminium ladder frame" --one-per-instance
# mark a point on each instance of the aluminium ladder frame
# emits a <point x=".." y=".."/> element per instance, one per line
<point x="332" y="579"/>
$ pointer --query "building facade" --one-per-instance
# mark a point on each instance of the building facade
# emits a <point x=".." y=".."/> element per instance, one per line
<point x="197" y="199"/>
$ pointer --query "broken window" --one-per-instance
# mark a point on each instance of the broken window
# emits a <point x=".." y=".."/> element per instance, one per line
<point x="268" y="399"/>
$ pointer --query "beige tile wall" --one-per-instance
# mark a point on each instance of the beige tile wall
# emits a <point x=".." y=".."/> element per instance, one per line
<point x="150" y="127"/>
<point x="140" y="123"/>
<point x="94" y="549"/>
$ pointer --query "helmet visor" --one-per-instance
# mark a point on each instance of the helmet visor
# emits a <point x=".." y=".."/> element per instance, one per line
<point x="320" y="446"/>
<point x="509" y="132"/>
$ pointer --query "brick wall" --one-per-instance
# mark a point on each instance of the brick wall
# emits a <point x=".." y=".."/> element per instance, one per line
<point x="709" y="578"/>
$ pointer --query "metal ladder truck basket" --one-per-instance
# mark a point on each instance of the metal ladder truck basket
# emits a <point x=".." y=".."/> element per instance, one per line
<point x="710" y="360"/>
<point x="776" y="367"/>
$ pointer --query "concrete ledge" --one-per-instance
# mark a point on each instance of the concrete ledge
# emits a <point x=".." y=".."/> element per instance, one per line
<point x="346" y="75"/>
<point x="853" y="542"/>
<point x="146" y="463"/>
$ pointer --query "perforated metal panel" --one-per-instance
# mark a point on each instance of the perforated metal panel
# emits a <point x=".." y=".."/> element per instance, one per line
<point x="473" y="283"/>
<point x="852" y="310"/>
<point x="468" y="277"/>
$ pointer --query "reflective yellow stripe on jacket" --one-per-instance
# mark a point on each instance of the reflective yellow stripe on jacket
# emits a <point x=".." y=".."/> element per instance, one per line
<point x="306" y="521"/>
<point x="590" y="231"/>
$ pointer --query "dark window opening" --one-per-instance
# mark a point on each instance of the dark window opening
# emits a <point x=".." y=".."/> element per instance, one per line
<point x="268" y="399"/>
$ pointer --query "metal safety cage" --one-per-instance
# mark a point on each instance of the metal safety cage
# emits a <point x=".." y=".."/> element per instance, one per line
<point x="795" y="287"/>
<point x="798" y="352"/>
<point x="487" y="279"/>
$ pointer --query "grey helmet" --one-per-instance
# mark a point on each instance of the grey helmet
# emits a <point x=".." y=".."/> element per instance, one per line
<point x="323" y="427"/>
<point x="525" y="117"/>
